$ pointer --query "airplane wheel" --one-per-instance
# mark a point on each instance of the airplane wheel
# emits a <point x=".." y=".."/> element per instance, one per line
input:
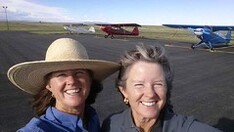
<point x="211" y="50"/>
<point x="192" y="46"/>
<point x="112" y="37"/>
<point x="106" y="36"/>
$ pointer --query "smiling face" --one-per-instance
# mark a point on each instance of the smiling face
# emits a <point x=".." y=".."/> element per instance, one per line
<point x="70" y="89"/>
<point x="145" y="89"/>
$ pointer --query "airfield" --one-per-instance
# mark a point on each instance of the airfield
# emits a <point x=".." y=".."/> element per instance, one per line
<point x="203" y="81"/>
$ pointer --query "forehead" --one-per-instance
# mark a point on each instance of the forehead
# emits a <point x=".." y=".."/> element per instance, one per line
<point x="49" y="75"/>
<point x="70" y="70"/>
<point x="145" y="65"/>
<point x="143" y="69"/>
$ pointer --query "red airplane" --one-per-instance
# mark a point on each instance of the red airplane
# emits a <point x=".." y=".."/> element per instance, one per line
<point x="117" y="29"/>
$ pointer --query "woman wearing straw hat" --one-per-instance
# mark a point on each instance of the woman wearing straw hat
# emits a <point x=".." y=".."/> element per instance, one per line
<point x="64" y="85"/>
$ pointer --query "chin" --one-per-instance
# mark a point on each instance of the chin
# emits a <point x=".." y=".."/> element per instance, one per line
<point x="151" y="114"/>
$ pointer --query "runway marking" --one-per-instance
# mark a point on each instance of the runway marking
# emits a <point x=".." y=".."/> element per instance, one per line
<point x="220" y="51"/>
<point x="231" y="46"/>
<point x="177" y="46"/>
<point x="214" y="51"/>
<point x="122" y="39"/>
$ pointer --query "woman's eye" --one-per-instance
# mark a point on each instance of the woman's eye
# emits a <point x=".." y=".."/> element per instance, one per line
<point x="158" y="85"/>
<point x="79" y="73"/>
<point x="61" y="75"/>
<point x="139" y="85"/>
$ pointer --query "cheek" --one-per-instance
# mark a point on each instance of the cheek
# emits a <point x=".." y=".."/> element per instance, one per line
<point x="134" y="94"/>
<point x="53" y="83"/>
<point x="87" y="83"/>
<point x="88" y="87"/>
<point x="162" y="94"/>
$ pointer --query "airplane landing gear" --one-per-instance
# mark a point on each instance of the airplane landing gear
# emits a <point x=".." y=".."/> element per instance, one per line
<point x="192" y="46"/>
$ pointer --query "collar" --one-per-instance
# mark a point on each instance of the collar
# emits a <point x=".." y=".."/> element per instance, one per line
<point x="129" y="124"/>
<point x="128" y="121"/>
<point x="63" y="118"/>
<point x="64" y="121"/>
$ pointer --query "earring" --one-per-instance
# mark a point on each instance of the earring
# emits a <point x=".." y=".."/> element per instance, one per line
<point x="52" y="96"/>
<point x="126" y="101"/>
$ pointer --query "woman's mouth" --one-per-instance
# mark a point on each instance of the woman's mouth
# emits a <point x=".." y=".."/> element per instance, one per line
<point x="73" y="91"/>
<point x="148" y="103"/>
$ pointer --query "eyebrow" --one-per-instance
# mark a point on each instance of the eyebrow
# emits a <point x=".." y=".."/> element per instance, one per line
<point x="137" y="81"/>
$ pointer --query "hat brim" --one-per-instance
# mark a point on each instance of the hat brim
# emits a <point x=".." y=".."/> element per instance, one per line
<point x="29" y="76"/>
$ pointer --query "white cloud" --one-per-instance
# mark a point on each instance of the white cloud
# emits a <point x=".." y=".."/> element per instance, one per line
<point x="24" y="10"/>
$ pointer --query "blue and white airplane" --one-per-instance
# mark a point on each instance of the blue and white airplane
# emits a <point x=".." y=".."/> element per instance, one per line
<point x="209" y="35"/>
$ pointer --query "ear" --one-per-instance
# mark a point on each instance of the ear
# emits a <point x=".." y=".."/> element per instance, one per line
<point x="48" y="87"/>
<point x="123" y="91"/>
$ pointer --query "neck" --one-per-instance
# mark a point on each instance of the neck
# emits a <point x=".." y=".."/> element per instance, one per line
<point x="143" y="123"/>
<point x="74" y="111"/>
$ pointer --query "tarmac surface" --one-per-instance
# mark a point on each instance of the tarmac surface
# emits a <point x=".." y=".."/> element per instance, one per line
<point x="203" y="81"/>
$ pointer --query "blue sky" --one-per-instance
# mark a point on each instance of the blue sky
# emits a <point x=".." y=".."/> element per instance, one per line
<point x="145" y="12"/>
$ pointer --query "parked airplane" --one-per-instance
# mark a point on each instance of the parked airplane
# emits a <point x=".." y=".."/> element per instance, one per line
<point x="209" y="35"/>
<point x="79" y="28"/>
<point x="119" y="29"/>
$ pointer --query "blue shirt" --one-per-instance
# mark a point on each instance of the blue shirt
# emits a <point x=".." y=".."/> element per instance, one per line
<point x="58" y="121"/>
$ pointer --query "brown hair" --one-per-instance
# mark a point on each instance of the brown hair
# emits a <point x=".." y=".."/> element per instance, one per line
<point x="43" y="99"/>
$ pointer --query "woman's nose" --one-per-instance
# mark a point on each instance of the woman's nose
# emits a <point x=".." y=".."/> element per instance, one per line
<point x="150" y="92"/>
<point x="71" y="79"/>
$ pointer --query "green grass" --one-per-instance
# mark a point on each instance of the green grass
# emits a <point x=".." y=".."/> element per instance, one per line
<point x="153" y="32"/>
<point x="169" y="34"/>
<point x="33" y="27"/>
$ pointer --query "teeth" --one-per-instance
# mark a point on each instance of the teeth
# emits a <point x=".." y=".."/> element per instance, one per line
<point x="148" y="103"/>
<point x="72" y="91"/>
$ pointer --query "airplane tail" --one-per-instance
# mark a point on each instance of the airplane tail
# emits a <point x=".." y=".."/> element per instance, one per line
<point x="92" y="29"/>
<point x="135" y="31"/>
<point x="228" y="35"/>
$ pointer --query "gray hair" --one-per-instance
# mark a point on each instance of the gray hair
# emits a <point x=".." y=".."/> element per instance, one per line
<point x="152" y="54"/>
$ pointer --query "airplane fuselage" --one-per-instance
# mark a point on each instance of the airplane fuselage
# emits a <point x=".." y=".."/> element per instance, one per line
<point x="117" y="31"/>
<point x="209" y="37"/>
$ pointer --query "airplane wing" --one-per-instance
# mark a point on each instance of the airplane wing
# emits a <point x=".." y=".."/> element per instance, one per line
<point x="213" y="28"/>
<point x="120" y="24"/>
<point x="80" y="24"/>
<point x="218" y="28"/>
<point x="182" y="26"/>
<point x="79" y="28"/>
<point x="75" y="24"/>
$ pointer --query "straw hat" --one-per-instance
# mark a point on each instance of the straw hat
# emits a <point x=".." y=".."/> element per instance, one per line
<point x="62" y="54"/>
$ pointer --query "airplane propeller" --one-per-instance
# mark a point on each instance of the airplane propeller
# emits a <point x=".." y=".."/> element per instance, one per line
<point x="191" y="32"/>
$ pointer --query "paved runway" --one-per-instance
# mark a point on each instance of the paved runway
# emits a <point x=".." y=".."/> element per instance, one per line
<point x="203" y="83"/>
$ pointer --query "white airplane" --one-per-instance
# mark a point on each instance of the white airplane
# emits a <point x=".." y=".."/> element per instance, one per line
<point x="79" y="28"/>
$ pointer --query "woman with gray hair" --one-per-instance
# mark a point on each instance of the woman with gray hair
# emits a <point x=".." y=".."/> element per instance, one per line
<point x="145" y="82"/>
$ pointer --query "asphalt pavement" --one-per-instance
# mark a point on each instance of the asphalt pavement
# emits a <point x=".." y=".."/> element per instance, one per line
<point x="203" y="82"/>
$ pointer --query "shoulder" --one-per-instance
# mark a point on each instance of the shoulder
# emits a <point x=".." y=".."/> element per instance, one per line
<point x="90" y="111"/>
<point x="36" y="125"/>
<point x="202" y="127"/>
<point x="92" y="119"/>
<point x="115" y="121"/>
<point x="116" y="117"/>
<point x="181" y="123"/>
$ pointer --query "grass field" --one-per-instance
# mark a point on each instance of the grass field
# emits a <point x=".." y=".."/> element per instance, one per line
<point x="153" y="32"/>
